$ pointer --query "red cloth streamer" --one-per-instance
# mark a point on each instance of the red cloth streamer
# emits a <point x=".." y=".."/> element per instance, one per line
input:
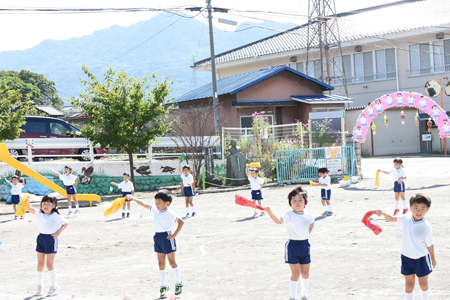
<point x="239" y="200"/>
<point x="375" y="228"/>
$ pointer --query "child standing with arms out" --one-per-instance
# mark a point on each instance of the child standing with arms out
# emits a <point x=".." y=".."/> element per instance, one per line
<point x="325" y="192"/>
<point x="127" y="188"/>
<point x="299" y="224"/>
<point x="70" y="181"/>
<point x="164" y="239"/>
<point x="399" y="185"/>
<point x="50" y="224"/>
<point x="17" y="184"/>
<point x="256" y="184"/>
<point x="417" y="246"/>
<point x="189" y="189"/>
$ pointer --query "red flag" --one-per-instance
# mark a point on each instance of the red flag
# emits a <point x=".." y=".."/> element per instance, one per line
<point x="375" y="228"/>
<point x="239" y="200"/>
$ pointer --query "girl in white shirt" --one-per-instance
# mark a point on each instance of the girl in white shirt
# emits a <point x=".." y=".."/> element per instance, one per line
<point x="189" y="189"/>
<point x="71" y="182"/>
<point x="50" y="224"/>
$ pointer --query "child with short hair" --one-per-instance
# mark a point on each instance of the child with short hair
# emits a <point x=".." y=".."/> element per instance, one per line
<point x="127" y="188"/>
<point x="299" y="224"/>
<point x="17" y="184"/>
<point x="256" y="184"/>
<point x="70" y="181"/>
<point x="399" y="185"/>
<point x="188" y="188"/>
<point x="50" y="224"/>
<point x="325" y="192"/>
<point x="417" y="251"/>
<point x="164" y="239"/>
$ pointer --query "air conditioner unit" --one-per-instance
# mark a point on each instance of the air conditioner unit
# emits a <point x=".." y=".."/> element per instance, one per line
<point x="358" y="49"/>
<point x="439" y="36"/>
<point x="293" y="59"/>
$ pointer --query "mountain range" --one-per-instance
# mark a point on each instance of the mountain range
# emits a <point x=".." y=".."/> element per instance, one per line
<point x="165" y="45"/>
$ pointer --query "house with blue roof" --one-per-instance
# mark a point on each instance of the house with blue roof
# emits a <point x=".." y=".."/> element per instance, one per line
<point x="284" y="94"/>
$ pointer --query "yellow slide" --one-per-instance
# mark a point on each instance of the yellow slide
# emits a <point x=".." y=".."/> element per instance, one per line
<point x="6" y="158"/>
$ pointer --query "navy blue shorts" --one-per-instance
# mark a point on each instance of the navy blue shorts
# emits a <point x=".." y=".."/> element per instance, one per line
<point x="15" y="199"/>
<point x="71" y="190"/>
<point x="162" y="244"/>
<point x="325" y="194"/>
<point x="189" y="191"/>
<point x="421" y="266"/>
<point x="297" y="252"/>
<point x="399" y="188"/>
<point x="46" y="244"/>
<point x="124" y="195"/>
<point x="257" y="195"/>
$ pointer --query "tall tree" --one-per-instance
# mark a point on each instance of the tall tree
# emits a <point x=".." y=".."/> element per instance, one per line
<point x="32" y="86"/>
<point x="127" y="113"/>
<point x="13" y="111"/>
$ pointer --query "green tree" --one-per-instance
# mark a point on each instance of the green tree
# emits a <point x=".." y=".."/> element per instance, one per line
<point x="32" y="86"/>
<point x="127" y="113"/>
<point x="13" y="111"/>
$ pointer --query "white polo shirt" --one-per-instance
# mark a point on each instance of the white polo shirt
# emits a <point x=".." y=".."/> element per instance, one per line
<point x="68" y="180"/>
<point x="255" y="183"/>
<point x="126" y="186"/>
<point x="163" y="220"/>
<point x="16" y="189"/>
<point x="416" y="236"/>
<point x="327" y="181"/>
<point x="187" y="179"/>
<point x="297" y="224"/>
<point x="397" y="173"/>
<point x="49" y="224"/>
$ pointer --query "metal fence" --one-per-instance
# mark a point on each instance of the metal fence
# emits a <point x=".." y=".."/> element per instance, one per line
<point x="302" y="165"/>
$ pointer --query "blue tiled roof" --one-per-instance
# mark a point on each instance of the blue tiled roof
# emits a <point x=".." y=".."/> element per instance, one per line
<point x="263" y="102"/>
<point x="318" y="99"/>
<point x="234" y="84"/>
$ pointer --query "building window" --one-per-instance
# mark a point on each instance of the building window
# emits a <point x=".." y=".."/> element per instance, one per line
<point x="420" y="59"/>
<point x="385" y="64"/>
<point x="323" y="109"/>
<point x="297" y="66"/>
<point x="338" y="80"/>
<point x="314" y="69"/>
<point x="441" y="56"/>
<point x="363" y="67"/>
<point x="247" y="121"/>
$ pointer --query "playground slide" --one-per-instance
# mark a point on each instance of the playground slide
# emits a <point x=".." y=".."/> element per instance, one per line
<point x="6" y="158"/>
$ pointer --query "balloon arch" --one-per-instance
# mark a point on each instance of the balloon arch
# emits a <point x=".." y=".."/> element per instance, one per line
<point x="400" y="99"/>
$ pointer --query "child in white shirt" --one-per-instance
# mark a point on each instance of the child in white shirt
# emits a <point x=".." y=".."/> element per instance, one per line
<point x="71" y="182"/>
<point x="399" y="185"/>
<point x="17" y="184"/>
<point x="188" y="188"/>
<point x="256" y="184"/>
<point x="127" y="188"/>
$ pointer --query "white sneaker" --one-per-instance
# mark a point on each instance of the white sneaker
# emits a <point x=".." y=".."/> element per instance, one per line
<point x="53" y="291"/>
<point x="40" y="290"/>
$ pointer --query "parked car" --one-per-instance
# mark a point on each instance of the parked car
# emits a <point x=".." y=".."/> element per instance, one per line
<point x="51" y="128"/>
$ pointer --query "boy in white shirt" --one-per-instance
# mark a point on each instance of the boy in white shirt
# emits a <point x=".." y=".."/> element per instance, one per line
<point x="164" y="239"/>
<point x="127" y="188"/>
<point x="417" y="245"/>
<point x="17" y="184"/>
<point x="325" y="192"/>
<point x="256" y="184"/>
<point x="71" y="182"/>
<point x="188" y="188"/>
<point x="299" y="224"/>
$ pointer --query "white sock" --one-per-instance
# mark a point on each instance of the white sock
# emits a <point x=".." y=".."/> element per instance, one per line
<point x="123" y="211"/>
<point x="424" y="294"/>
<point x="405" y="204"/>
<point x="176" y="271"/>
<point x="325" y="207"/>
<point x="70" y="207"/>
<point x="396" y="204"/>
<point x="162" y="276"/>
<point x="187" y="209"/>
<point x="293" y="285"/>
<point x="409" y="296"/>
<point x="329" y="207"/>
<point x="128" y="211"/>
<point x="77" y="206"/>
<point x="52" y="277"/>
<point x="193" y="209"/>
<point x="40" y="277"/>
<point x="305" y="286"/>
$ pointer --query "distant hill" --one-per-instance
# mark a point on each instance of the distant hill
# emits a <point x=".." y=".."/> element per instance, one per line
<point x="168" y="54"/>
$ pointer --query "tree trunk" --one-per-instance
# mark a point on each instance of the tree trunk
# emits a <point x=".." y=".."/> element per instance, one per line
<point x="130" y="159"/>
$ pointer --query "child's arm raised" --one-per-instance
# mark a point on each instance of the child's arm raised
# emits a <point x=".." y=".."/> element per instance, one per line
<point x="382" y="171"/>
<point x="179" y="167"/>
<point x="180" y="224"/>
<point x="141" y="203"/>
<point x="29" y="208"/>
<point x="387" y="216"/>
<point x="433" y="259"/>
<point x="272" y="216"/>
<point x="56" y="173"/>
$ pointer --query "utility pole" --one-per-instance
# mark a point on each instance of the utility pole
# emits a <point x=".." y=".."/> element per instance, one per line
<point x="213" y="70"/>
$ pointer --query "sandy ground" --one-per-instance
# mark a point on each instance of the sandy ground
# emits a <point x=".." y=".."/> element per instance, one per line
<point x="223" y="253"/>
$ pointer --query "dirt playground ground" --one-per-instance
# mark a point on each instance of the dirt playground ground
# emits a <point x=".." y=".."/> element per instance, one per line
<point x="224" y="253"/>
